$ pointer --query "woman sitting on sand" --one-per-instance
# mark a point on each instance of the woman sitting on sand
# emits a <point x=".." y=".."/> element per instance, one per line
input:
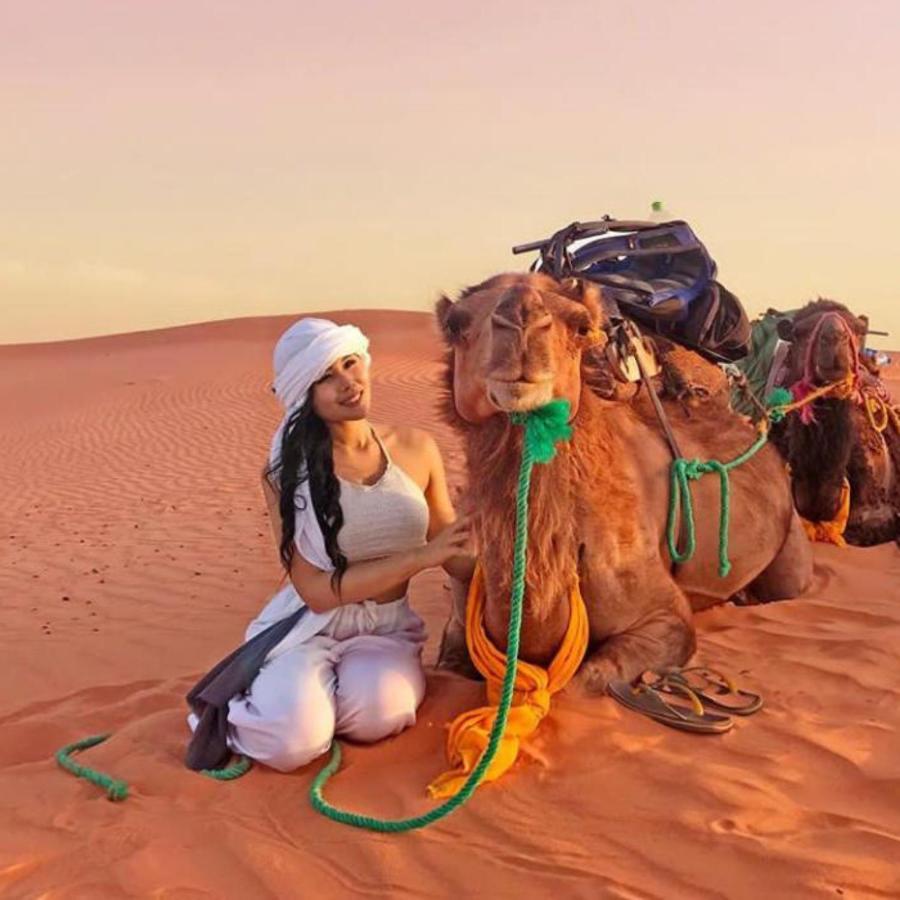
<point x="356" y="512"/>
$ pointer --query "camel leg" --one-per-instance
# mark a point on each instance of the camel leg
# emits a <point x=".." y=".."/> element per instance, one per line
<point x="790" y="573"/>
<point x="871" y="525"/>
<point x="664" y="640"/>
<point x="453" y="653"/>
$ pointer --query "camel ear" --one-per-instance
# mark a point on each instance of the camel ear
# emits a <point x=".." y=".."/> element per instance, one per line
<point x="452" y="319"/>
<point x="785" y="329"/>
<point x="442" y="309"/>
<point x="576" y="288"/>
<point x="591" y="295"/>
<point x="581" y="290"/>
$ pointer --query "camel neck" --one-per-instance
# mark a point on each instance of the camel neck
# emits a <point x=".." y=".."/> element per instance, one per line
<point x="819" y="456"/>
<point x="493" y="454"/>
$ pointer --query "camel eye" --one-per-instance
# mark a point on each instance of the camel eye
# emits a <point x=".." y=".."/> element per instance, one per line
<point x="581" y="325"/>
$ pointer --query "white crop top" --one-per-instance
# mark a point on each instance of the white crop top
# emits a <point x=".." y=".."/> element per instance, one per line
<point x="382" y="518"/>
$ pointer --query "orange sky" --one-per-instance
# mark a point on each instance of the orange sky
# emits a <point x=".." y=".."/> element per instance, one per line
<point x="168" y="162"/>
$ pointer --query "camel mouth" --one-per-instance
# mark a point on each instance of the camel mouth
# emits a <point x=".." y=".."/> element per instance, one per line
<point x="519" y="396"/>
<point x="833" y="373"/>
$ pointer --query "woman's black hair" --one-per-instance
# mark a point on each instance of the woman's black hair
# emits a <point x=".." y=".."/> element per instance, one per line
<point x="306" y="455"/>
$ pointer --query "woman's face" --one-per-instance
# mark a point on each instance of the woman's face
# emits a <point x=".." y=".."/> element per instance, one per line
<point x="344" y="392"/>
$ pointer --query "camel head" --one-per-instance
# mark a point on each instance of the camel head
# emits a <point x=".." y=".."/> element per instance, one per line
<point x="827" y="340"/>
<point x="516" y="342"/>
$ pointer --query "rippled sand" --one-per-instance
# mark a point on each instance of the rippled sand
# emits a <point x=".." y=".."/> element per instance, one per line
<point x="135" y="547"/>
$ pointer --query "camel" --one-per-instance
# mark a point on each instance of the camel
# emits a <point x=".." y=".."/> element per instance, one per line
<point x="838" y="440"/>
<point x="598" y="509"/>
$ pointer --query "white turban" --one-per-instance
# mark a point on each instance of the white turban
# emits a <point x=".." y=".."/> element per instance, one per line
<point x="303" y="355"/>
<point x="306" y="351"/>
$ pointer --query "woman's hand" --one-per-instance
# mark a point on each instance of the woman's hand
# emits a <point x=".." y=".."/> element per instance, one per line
<point x="454" y="540"/>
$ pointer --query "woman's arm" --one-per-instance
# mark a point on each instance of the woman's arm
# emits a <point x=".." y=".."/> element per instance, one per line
<point x="441" y="512"/>
<point x="364" y="579"/>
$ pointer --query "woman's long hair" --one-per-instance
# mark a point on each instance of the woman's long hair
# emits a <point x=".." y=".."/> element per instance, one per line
<point x="306" y="455"/>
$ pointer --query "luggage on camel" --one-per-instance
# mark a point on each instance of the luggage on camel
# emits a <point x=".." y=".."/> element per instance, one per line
<point x="658" y="274"/>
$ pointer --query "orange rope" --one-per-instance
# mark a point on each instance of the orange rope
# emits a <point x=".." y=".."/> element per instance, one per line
<point x="843" y="388"/>
<point x="894" y="412"/>
<point x="876" y="406"/>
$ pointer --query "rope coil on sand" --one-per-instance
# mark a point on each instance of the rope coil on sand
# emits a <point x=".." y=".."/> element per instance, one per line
<point x="116" y="789"/>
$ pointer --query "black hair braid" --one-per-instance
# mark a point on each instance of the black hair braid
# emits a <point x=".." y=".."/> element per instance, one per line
<point x="306" y="455"/>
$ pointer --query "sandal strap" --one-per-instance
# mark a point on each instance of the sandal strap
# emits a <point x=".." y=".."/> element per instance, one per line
<point x="716" y="685"/>
<point x="658" y="687"/>
<point x="706" y="671"/>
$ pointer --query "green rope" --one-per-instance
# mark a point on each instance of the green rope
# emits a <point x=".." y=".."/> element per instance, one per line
<point x="241" y="766"/>
<point x="118" y="790"/>
<point x="684" y="471"/>
<point x="777" y="403"/>
<point x="543" y="428"/>
<point x="115" y="789"/>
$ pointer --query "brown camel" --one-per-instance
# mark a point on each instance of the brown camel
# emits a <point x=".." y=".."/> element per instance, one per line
<point x="839" y="440"/>
<point x="599" y="508"/>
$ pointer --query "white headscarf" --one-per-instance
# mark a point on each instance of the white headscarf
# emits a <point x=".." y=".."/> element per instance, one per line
<point x="303" y="354"/>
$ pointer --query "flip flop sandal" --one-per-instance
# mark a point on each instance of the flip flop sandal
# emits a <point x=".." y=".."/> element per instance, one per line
<point x="711" y="688"/>
<point x="648" y="700"/>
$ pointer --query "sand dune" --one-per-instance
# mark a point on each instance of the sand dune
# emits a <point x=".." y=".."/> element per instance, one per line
<point x="135" y="547"/>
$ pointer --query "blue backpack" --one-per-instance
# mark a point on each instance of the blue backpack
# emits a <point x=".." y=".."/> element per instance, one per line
<point x="658" y="274"/>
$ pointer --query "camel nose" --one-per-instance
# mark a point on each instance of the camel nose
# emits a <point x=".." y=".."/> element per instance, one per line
<point x="523" y="311"/>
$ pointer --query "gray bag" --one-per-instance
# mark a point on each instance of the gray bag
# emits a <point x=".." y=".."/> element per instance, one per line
<point x="209" y="697"/>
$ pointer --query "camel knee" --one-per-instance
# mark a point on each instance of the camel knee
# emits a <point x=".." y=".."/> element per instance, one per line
<point x="790" y="573"/>
<point x="657" y="644"/>
<point x="454" y="651"/>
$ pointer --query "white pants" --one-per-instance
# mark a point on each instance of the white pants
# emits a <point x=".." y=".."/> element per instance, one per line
<point x="361" y="677"/>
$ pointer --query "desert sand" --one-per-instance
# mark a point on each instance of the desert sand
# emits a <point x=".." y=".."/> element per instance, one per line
<point x="135" y="548"/>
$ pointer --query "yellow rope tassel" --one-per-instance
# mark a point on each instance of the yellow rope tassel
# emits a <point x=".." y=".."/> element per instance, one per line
<point x="831" y="532"/>
<point x="879" y="413"/>
<point x="533" y="688"/>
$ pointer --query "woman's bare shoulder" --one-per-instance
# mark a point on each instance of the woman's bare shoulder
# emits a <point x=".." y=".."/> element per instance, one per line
<point x="413" y="449"/>
<point x="406" y="438"/>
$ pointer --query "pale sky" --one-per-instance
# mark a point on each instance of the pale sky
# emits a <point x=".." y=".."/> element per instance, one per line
<point x="170" y="162"/>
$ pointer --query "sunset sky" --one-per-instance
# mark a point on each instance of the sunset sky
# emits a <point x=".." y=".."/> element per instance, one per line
<point x="171" y="162"/>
